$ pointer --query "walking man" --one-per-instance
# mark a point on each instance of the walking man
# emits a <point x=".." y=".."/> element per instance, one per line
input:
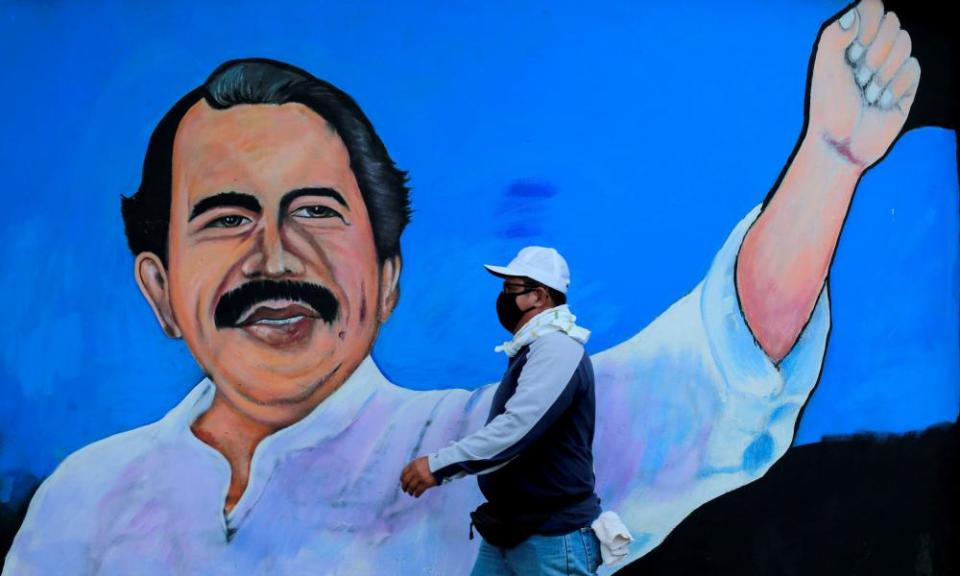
<point x="534" y="457"/>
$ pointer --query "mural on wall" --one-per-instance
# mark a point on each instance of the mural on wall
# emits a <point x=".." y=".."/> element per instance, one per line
<point x="340" y="334"/>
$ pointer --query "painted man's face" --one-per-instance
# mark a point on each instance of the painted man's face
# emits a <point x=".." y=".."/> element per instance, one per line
<point x="272" y="276"/>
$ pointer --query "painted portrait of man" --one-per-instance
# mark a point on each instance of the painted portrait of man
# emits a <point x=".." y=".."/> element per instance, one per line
<point x="265" y="234"/>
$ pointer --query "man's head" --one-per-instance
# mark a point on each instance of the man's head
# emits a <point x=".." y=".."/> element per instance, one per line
<point x="536" y="280"/>
<point x="267" y="233"/>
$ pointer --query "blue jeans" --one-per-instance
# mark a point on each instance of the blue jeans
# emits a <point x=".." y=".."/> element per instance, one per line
<point x="575" y="553"/>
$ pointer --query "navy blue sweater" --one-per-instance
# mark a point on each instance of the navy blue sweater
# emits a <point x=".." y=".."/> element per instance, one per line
<point x="535" y="453"/>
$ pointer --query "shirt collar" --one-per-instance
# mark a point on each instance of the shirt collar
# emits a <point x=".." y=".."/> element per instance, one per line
<point x="329" y="418"/>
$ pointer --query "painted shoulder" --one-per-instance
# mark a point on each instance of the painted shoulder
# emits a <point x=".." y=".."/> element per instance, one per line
<point x="409" y="402"/>
<point x="97" y="465"/>
<point x="66" y="502"/>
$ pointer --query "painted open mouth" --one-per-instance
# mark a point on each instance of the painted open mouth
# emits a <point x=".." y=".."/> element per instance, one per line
<point x="278" y="323"/>
<point x="266" y="315"/>
<point x="270" y="305"/>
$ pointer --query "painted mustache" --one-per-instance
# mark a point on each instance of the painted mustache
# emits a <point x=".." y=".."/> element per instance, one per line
<point x="235" y="304"/>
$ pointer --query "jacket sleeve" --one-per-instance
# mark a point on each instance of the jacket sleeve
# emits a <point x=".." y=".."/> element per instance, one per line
<point x="545" y="389"/>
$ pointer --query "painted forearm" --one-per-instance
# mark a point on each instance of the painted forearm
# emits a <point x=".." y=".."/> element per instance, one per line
<point x="786" y="255"/>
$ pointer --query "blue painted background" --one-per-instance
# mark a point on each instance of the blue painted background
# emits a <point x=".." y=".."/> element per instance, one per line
<point x="630" y="137"/>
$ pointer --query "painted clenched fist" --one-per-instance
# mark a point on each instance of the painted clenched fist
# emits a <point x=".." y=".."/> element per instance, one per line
<point x="863" y="84"/>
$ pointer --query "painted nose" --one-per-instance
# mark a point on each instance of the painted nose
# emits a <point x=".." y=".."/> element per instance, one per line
<point x="272" y="258"/>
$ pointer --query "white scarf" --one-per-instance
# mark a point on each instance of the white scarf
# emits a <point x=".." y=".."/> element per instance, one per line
<point x="558" y="319"/>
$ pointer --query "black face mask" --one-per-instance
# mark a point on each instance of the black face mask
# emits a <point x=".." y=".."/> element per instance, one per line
<point x="509" y="312"/>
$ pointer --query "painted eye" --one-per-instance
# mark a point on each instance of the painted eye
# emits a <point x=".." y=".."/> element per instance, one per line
<point x="230" y="221"/>
<point x="317" y="211"/>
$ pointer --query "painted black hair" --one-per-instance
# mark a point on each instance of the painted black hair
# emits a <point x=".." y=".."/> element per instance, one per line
<point x="146" y="214"/>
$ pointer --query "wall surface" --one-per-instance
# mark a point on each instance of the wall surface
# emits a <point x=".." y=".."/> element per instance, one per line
<point x="630" y="136"/>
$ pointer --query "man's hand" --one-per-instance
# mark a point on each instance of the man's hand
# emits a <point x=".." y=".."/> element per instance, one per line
<point x="417" y="478"/>
<point x="863" y="84"/>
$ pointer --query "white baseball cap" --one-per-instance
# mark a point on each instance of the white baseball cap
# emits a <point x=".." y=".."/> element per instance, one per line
<point x="545" y="265"/>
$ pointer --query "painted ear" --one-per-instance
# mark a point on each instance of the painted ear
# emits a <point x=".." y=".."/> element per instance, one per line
<point x="151" y="276"/>
<point x="389" y="287"/>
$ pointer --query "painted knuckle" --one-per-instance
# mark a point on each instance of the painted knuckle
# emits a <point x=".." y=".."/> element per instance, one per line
<point x="892" y="20"/>
<point x="913" y="66"/>
<point x="899" y="53"/>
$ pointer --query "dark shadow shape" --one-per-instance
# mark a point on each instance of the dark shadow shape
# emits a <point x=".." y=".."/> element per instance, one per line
<point x="867" y="504"/>
<point x="22" y="486"/>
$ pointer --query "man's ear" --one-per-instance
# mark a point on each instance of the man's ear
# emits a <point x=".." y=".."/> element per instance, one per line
<point x="151" y="276"/>
<point x="389" y="287"/>
<point x="546" y="300"/>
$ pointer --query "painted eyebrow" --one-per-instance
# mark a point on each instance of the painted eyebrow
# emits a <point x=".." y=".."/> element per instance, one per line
<point x="289" y="197"/>
<point x="228" y="199"/>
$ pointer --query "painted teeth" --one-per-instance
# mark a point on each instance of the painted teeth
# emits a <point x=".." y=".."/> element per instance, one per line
<point x="279" y="321"/>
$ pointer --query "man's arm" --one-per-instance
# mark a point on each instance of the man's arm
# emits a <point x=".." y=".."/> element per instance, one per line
<point x="545" y="389"/>
<point x="862" y="86"/>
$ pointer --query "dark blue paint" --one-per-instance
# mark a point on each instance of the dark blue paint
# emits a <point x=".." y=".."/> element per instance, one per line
<point x="525" y="189"/>
<point x="758" y="453"/>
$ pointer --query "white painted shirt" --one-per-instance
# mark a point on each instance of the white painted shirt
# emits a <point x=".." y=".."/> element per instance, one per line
<point x="688" y="409"/>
